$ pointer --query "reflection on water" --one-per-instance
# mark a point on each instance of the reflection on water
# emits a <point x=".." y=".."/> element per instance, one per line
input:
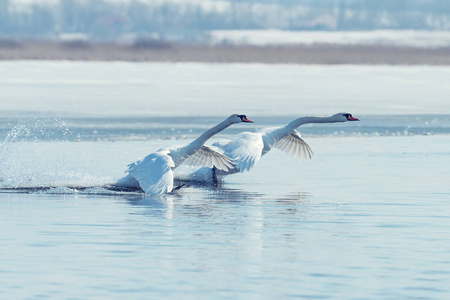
<point x="294" y="203"/>
<point x="224" y="194"/>
<point x="198" y="200"/>
<point x="297" y="198"/>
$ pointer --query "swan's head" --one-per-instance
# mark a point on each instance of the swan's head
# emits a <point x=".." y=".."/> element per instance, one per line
<point x="237" y="118"/>
<point x="344" y="117"/>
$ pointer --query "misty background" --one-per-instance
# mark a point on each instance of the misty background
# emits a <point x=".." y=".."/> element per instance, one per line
<point x="189" y="21"/>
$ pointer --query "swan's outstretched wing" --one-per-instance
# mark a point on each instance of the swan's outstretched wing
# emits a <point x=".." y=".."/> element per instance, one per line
<point x="154" y="173"/>
<point x="295" y="146"/>
<point x="245" y="149"/>
<point x="207" y="157"/>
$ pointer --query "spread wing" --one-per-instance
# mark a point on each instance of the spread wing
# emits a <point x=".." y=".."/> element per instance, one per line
<point x="154" y="173"/>
<point x="207" y="157"/>
<point x="245" y="149"/>
<point x="295" y="146"/>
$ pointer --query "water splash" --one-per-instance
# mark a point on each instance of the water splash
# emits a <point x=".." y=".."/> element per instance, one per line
<point x="38" y="129"/>
<point x="29" y="157"/>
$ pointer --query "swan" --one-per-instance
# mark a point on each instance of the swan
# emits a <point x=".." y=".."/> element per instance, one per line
<point x="154" y="173"/>
<point x="247" y="148"/>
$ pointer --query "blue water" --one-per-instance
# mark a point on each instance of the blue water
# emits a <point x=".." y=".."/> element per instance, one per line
<point x="366" y="218"/>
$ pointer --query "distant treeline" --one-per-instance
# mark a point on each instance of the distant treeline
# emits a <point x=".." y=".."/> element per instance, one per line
<point x="185" y="20"/>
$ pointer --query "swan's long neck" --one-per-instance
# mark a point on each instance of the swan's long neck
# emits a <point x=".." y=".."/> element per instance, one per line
<point x="305" y="120"/>
<point x="201" y="140"/>
<point x="274" y="136"/>
<point x="194" y="146"/>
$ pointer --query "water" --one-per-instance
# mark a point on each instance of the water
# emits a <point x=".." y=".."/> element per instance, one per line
<point x="366" y="218"/>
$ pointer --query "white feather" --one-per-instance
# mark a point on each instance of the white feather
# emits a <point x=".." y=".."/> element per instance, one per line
<point x="154" y="173"/>
<point x="295" y="146"/>
<point x="207" y="157"/>
<point x="245" y="149"/>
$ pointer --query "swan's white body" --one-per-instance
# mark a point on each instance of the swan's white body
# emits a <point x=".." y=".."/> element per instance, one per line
<point x="154" y="173"/>
<point x="247" y="148"/>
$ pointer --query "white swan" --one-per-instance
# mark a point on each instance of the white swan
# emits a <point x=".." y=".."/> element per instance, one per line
<point x="246" y="148"/>
<point x="154" y="174"/>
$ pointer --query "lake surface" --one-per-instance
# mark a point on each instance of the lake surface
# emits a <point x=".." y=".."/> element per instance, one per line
<point x="367" y="218"/>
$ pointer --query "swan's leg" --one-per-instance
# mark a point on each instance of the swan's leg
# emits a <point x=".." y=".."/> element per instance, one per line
<point x="214" y="176"/>
<point x="179" y="187"/>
